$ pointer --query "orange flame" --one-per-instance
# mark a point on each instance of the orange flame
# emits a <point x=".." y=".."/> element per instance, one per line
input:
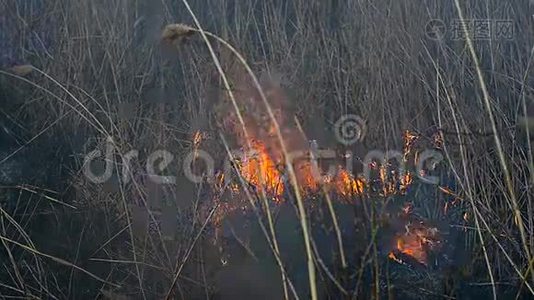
<point x="347" y="185"/>
<point x="416" y="242"/>
<point x="306" y="178"/>
<point x="409" y="140"/>
<point x="405" y="181"/>
<point x="413" y="246"/>
<point x="260" y="171"/>
<point x="197" y="138"/>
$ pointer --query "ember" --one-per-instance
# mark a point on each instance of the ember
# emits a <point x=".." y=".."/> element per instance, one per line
<point x="416" y="243"/>
<point x="412" y="245"/>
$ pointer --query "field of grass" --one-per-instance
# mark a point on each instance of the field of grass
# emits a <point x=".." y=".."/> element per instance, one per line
<point x="88" y="75"/>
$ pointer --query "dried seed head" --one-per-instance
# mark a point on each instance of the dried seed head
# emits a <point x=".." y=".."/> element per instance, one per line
<point x="21" y="70"/>
<point x="177" y="32"/>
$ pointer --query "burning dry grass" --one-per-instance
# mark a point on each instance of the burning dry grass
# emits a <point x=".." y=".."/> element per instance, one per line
<point x="263" y="171"/>
<point x="416" y="243"/>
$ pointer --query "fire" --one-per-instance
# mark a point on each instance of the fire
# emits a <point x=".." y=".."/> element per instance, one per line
<point x="409" y="140"/>
<point x="416" y="242"/>
<point x="405" y="181"/>
<point x="388" y="181"/>
<point x="260" y="170"/>
<point x="408" y="208"/>
<point x="347" y="185"/>
<point x="198" y="136"/>
<point x="437" y="140"/>
<point x="305" y="173"/>
<point x="413" y="246"/>
<point x="263" y="168"/>
<point x="392" y="256"/>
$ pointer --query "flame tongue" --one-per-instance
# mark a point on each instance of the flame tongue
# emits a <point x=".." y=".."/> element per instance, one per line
<point x="416" y="242"/>
<point x="347" y="185"/>
<point x="260" y="170"/>
<point x="412" y="246"/>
